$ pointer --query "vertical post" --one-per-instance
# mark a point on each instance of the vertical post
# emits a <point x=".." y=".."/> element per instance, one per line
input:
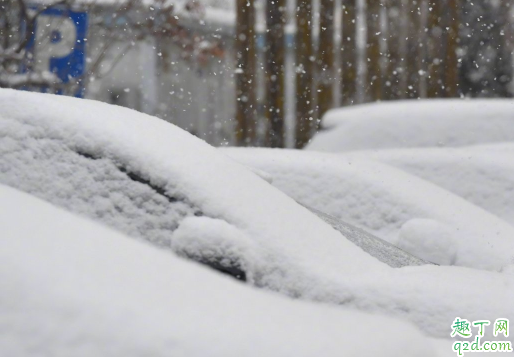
<point x="348" y="51"/>
<point x="304" y="74"/>
<point x="275" y="71"/>
<point x="373" y="56"/>
<point x="245" y="73"/>
<point x="326" y="57"/>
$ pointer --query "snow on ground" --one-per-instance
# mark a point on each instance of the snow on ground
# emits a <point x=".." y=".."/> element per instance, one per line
<point x="416" y="123"/>
<point x="389" y="203"/>
<point x="73" y="288"/>
<point x="483" y="175"/>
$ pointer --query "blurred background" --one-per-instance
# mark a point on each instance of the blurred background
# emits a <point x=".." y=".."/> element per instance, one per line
<point x="255" y="72"/>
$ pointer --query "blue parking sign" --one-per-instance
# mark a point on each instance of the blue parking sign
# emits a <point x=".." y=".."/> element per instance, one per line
<point x="59" y="44"/>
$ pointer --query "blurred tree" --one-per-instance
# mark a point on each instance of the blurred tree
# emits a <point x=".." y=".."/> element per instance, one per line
<point x="326" y="58"/>
<point x="435" y="60"/>
<point x="451" y="41"/>
<point x="373" y="85"/>
<point x="246" y="116"/>
<point x="393" y="55"/>
<point x="275" y="71"/>
<point x="304" y="74"/>
<point x="414" y="49"/>
<point x="348" y="51"/>
<point x="486" y="69"/>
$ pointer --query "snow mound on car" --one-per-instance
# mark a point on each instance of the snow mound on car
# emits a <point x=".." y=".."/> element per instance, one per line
<point x="429" y="240"/>
<point x="416" y="123"/>
<point x="381" y="199"/>
<point x="483" y="175"/>
<point x="126" y="169"/>
<point x="73" y="288"/>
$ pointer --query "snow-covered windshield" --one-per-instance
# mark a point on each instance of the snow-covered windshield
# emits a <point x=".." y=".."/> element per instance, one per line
<point x="100" y="187"/>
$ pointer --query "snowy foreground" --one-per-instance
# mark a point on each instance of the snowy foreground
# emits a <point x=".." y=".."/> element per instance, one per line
<point x="74" y="287"/>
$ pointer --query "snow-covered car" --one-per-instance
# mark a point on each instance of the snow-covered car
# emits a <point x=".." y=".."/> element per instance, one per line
<point x="71" y="287"/>
<point x="481" y="174"/>
<point x="152" y="181"/>
<point x="416" y="123"/>
<point x="409" y="212"/>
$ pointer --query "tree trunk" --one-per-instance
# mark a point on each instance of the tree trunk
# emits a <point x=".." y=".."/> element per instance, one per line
<point x="304" y="74"/>
<point x="435" y="50"/>
<point x="412" y="68"/>
<point x="373" y="55"/>
<point x="245" y="74"/>
<point x="275" y="71"/>
<point x="326" y="57"/>
<point x="348" y="52"/>
<point x="451" y="65"/>
<point x="393" y="57"/>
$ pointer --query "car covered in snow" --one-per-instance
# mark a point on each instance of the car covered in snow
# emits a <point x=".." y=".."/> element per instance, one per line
<point x="481" y="174"/>
<point x="402" y="209"/>
<point x="158" y="184"/>
<point x="416" y="123"/>
<point x="71" y="287"/>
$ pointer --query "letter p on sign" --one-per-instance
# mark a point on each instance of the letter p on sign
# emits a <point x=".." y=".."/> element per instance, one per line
<point x="59" y="44"/>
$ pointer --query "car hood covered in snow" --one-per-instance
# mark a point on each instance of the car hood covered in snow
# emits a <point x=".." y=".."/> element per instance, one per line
<point x="73" y="288"/>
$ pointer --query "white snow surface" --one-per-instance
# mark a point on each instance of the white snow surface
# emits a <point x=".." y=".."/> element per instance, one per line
<point x="83" y="145"/>
<point x="483" y="175"/>
<point x="42" y="134"/>
<point x="430" y="240"/>
<point x="73" y="288"/>
<point x="416" y="123"/>
<point x="382" y="199"/>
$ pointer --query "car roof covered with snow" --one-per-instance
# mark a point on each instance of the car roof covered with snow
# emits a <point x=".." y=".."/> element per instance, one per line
<point x="416" y="123"/>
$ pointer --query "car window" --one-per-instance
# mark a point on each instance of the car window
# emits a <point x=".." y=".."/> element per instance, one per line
<point x="376" y="247"/>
